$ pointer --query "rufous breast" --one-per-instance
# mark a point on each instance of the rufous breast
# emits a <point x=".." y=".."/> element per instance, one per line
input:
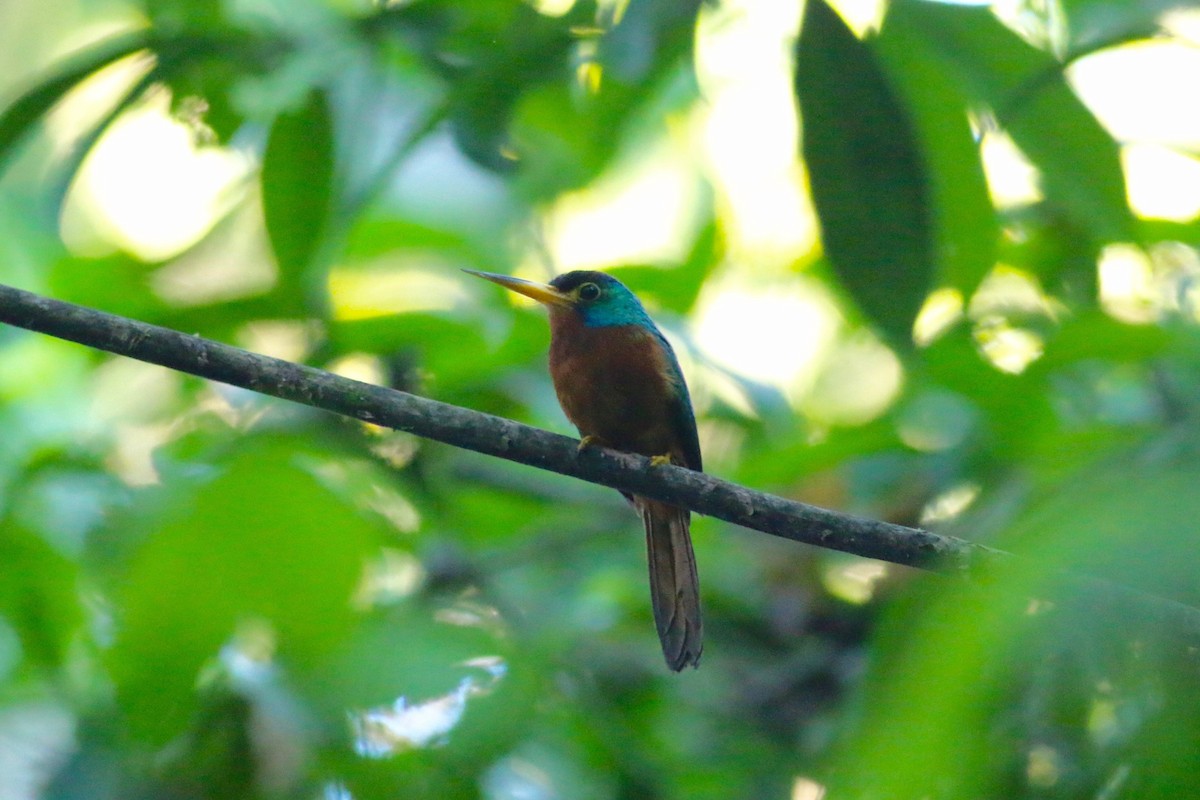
<point x="613" y="383"/>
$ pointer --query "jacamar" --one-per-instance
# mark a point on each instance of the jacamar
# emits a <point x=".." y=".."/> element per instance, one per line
<point x="619" y="383"/>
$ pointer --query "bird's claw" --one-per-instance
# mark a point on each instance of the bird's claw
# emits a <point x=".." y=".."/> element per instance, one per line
<point x="659" y="461"/>
<point x="589" y="441"/>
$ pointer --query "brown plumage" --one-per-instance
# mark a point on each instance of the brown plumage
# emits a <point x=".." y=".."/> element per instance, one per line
<point x="619" y="383"/>
<point x="615" y="384"/>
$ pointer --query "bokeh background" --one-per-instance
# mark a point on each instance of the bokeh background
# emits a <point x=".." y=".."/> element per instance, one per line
<point x="927" y="262"/>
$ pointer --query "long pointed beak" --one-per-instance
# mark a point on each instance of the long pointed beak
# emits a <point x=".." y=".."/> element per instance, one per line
<point x="543" y="293"/>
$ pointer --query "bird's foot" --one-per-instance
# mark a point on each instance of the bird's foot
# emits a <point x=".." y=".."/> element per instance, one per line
<point x="659" y="461"/>
<point x="590" y="441"/>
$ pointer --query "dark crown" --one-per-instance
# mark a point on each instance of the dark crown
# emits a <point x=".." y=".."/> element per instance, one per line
<point x="571" y="280"/>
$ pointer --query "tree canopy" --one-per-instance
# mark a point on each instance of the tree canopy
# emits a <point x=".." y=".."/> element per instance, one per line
<point x="929" y="263"/>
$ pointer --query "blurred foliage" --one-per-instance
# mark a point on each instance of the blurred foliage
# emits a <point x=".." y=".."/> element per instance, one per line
<point x="207" y="594"/>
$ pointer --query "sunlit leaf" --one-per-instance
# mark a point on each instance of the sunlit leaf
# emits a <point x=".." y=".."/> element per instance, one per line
<point x="1093" y="24"/>
<point x="20" y="115"/>
<point x="176" y="57"/>
<point x="1026" y="89"/>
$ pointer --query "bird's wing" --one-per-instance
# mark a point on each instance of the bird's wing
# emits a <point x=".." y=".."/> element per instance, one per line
<point x="684" y="421"/>
<point x="683" y="418"/>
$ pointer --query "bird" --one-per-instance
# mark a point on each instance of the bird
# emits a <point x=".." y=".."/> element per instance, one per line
<point x="619" y="383"/>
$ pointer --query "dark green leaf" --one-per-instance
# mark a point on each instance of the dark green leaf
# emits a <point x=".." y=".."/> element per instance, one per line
<point x="962" y="221"/>
<point x="482" y="104"/>
<point x="869" y="181"/>
<point x="298" y="186"/>
<point x="1044" y="241"/>
<point x="564" y="131"/>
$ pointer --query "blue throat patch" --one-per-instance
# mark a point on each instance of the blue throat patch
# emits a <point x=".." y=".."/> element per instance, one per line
<point x="619" y="307"/>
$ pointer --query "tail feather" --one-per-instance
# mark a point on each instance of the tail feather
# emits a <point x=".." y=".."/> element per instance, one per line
<point x="674" y="587"/>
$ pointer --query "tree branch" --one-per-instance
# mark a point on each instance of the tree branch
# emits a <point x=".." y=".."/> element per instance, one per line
<point x="510" y="440"/>
<point x="486" y="434"/>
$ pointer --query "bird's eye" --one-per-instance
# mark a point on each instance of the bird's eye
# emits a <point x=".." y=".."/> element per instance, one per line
<point x="589" y="292"/>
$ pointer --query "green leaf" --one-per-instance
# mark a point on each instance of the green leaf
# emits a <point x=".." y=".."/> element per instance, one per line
<point x="177" y="58"/>
<point x="298" y="186"/>
<point x="1093" y="24"/>
<point x="211" y="64"/>
<point x="1079" y="161"/>
<point x="1042" y="240"/>
<point x="23" y="113"/>
<point x="375" y="238"/>
<point x="1095" y="335"/>
<point x="1032" y="638"/>
<point x="404" y="651"/>
<point x="869" y="181"/>
<point x="437" y="340"/>
<point x="649" y="33"/>
<point x="678" y="287"/>
<point x="119" y="284"/>
<point x="195" y="14"/>
<point x="264" y="541"/>
<point x="1016" y="408"/>
<point x="39" y="595"/>
<point x="963" y="222"/>
<point x="490" y="57"/>
<point x="534" y="50"/>
<point x="562" y="132"/>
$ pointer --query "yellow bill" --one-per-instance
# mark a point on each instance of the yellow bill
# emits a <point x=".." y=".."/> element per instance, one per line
<point x="543" y="293"/>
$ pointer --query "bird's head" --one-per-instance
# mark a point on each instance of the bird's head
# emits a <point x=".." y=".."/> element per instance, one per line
<point x="600" y="299"/>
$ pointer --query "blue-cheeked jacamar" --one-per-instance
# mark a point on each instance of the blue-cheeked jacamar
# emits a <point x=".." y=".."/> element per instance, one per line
<point x="619" y="383"/>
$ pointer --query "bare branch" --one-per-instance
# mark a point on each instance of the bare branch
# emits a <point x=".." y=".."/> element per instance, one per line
<point x="510" y="440"/>
<point x="486" y="434"/>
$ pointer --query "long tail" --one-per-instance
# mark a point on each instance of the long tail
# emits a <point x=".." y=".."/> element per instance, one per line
<point x="674" y="588"/>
